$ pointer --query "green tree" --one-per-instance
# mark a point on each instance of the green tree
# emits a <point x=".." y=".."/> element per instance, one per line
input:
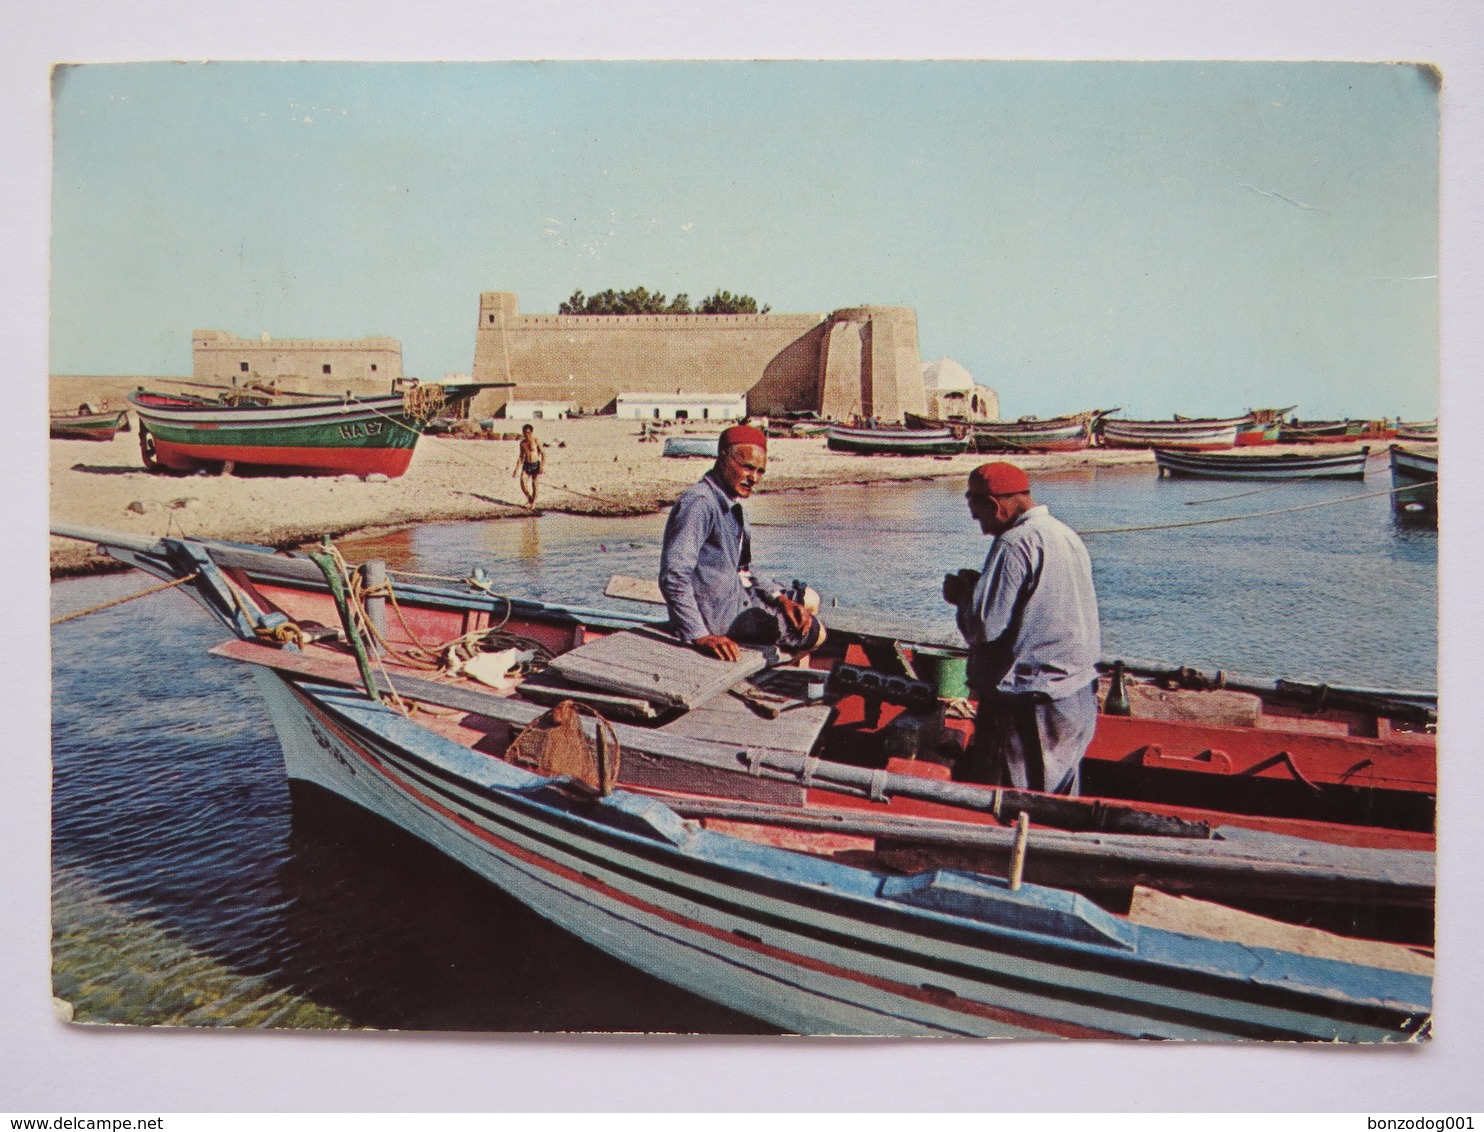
<point x="640" y="300"/>
<point x="724" y="302"/>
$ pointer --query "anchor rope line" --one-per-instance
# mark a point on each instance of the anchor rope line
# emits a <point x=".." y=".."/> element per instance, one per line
<point x="1250" y="514"/>
<point x="131" y="597"/>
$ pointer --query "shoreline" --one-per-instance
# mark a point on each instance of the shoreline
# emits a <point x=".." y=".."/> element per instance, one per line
<point x="595" y="466"/>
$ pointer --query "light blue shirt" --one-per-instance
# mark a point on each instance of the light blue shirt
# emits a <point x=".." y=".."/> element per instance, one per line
<point x="1032" y="621"/>
<point x="708" y="543"/>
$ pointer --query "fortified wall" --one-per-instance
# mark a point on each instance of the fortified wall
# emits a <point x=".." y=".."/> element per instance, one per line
<point x="862" y="360"/>
<point x="365" y="365"/>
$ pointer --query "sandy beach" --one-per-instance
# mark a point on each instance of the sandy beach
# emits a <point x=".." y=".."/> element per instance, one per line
<point x="595" y="466"/>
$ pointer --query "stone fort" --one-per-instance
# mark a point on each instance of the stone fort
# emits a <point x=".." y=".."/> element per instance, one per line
<point x="363" y="365"/>
<point x="859" y="360"/>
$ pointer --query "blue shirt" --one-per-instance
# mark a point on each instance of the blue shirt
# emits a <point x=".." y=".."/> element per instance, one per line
<point x="708" y="544"/>
<point x="1032" y="621"/>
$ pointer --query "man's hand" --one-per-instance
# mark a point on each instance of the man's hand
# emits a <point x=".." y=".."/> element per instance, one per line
<point x="959" y="585"/>
<point x="722" y="648"/>
<point x="794" y="613"/>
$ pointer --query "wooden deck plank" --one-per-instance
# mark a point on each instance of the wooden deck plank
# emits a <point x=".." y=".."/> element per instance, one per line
<point x="651" y="757"/>
<point x="723" y="718"/>
<point x="654" y="667"/>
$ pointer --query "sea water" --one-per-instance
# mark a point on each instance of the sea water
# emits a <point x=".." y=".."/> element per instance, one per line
<point x="188" y="888"/>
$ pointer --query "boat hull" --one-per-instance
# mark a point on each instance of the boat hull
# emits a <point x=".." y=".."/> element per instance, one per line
<point x="1340" y="465"/>
<point x="1191" y="436"/>
<point x="896" y="442"/>
<point x="1258" y="435"/>
<point x="1415" y="476"/>
<point x="809" y="945"/>
<point x="1059" y="434"/>
<point x="691" y="446"/>
<point x="358" y="436"/>
<point x="89" y="426"/>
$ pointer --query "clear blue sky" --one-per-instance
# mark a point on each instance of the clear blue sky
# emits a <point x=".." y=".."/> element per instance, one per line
<point x="1172" y="237"/>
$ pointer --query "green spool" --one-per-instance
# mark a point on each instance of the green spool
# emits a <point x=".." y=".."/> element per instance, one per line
<point x="948" y="672"/>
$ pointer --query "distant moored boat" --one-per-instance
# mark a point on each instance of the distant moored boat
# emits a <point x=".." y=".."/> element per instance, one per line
<point x="89" y="424"/>
<point x="1288" y="466"/>
<point x="1197" y="435"/>
<point x="897" y="441"/>
<point x="1028" y="434"/>
<point x="1417" y="474"/>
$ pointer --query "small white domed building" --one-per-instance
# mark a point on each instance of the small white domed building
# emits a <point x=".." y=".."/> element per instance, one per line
<point x="952" y="394"/>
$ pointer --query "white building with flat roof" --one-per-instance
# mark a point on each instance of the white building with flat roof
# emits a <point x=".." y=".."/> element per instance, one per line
<point x="536" y="410"/>
<point x="680" y="406"/>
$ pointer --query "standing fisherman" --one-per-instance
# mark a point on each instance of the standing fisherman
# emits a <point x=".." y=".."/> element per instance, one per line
<point x="1031" y="621"/>
<point x="530" y="462"/>
<point x="715" y="599"/>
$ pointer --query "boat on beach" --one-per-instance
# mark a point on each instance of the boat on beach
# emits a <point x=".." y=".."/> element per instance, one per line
<point x="1195" y="435"/>
<point x="1262" y="427"/>
<point x="1070" y="433"/>
<point x="691" y="446"/>
<point x="1330" y="432"/>
<point x="88" y="423"/>
<point x="897" y="441"/>
<point x="353" y="435"/>
<point x="1350" y="464"/>
<point x="1415" y="475"/>
<point x="781" y="840"/>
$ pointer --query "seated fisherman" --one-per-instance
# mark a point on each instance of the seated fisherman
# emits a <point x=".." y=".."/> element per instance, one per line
<point x="714" y="598"/>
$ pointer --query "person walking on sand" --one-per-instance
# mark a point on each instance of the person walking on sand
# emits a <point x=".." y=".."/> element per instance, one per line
<point x="1031" y="621"/>
<point x="714" y="597"/>
<point x="530" y="462"/>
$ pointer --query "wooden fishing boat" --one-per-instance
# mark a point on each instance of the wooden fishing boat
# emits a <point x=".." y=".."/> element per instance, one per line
<point x="896" y="441"/>
<point x="714" y="841"/>
<point x="89" y="424"/>
<point x="1262" y="427"/>
<point x="1028" y="434"/>
<point x="1416" y="473"/>
<point x="1418" y="432"/>
<point x="691" y="446"/>
<point x="1328" y="432"/>
<point x="354" y="435"/>
<point x="1350" y="465"/>
<point x="1192" y="435"/>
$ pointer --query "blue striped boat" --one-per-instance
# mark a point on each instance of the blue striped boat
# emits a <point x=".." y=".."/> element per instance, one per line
<point x="805" y="943"/>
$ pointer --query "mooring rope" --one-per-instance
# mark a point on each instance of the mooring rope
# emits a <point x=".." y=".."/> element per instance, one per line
<point x="120" y="600"/>
<point x="1250" y="514"/>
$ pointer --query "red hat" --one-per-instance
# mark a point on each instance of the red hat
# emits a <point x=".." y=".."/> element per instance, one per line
<point x="741" y="434"/>
<point x="998" y="478"/>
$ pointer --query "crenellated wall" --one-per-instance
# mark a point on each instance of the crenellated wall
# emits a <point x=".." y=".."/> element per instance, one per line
<point x="781" y="362"/>
<point x="362" y="364"/>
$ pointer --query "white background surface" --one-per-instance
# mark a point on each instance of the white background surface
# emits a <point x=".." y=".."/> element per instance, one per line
<point x="48" y="1067"/>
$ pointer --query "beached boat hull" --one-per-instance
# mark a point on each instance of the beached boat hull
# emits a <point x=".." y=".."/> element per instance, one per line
<point x="89" y="426"/>
<point x="1059" y="434"/>
<point x="896" y="441"/>
<point x="1289" y="466"/>
<point x="691" y="446"/>
<point x="1258" y="435"/>
<point x="356" y="436"/>
<point x="1194" y="436"/>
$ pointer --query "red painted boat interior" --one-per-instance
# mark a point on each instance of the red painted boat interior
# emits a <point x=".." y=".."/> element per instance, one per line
<point x="1288" y="750"/>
